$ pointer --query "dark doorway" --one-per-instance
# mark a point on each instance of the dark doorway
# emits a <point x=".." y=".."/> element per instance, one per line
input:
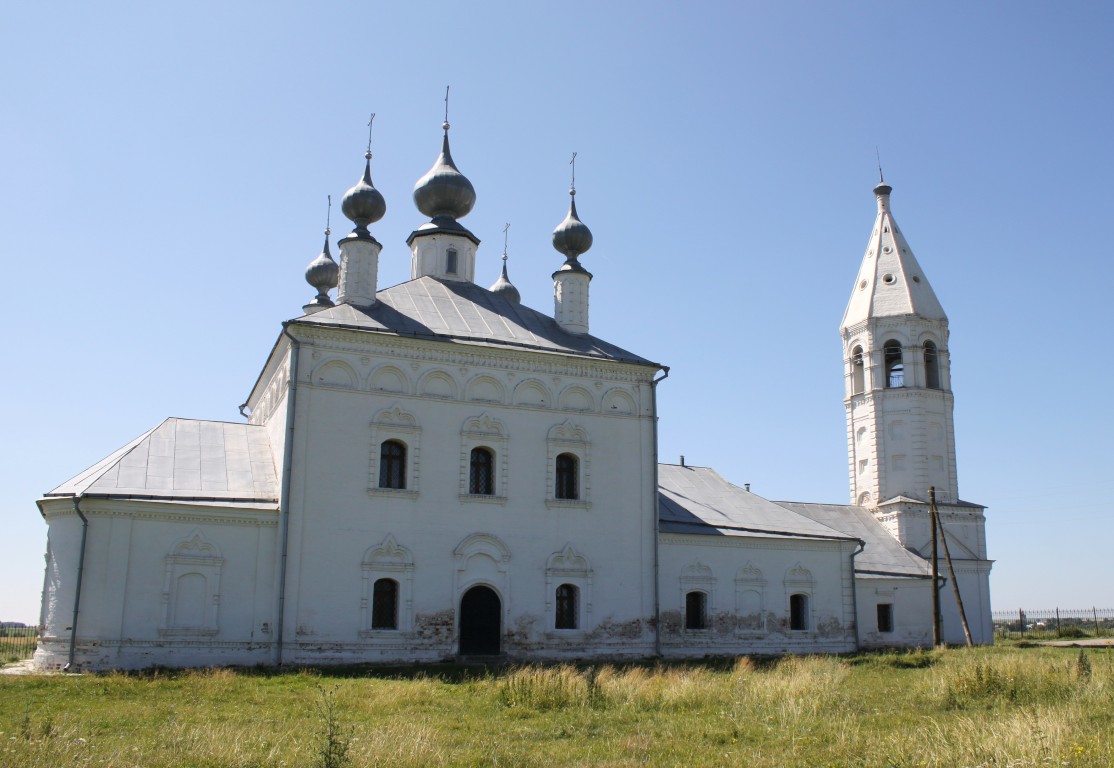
<point x="480" y="622"/>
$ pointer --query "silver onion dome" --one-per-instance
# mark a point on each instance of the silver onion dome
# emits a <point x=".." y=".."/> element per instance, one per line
<point x="444" y="190"/>
<point x="363" y="204"/>
<point x="323" y="274"/>
<point x="503" y="287"/>
<point x="572" y="237"/>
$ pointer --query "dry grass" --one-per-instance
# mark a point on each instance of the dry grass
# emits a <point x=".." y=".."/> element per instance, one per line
<point x="985" y="708"/>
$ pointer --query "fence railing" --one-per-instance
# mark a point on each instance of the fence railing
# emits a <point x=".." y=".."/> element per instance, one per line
<point x="17" y="643"/>
<point x="1054" y="623"/>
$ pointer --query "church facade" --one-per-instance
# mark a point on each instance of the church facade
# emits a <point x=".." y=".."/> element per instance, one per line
<point x="435" y="471"/>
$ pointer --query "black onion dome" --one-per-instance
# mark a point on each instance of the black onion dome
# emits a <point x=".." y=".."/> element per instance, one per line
<point x="444" y="190"/>
<point x="503" y="287"/>
<point x="572" y="236"/>
<point x="323" y="273"/>
<point x="363" y="203"/>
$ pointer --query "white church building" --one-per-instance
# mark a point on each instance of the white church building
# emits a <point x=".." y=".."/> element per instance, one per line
<point x="434" y="471"/>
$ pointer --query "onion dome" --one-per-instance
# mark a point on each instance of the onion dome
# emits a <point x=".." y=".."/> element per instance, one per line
<point x="572" y="237"/>
<point x="323" y="274"/>
<point x="503" y="286"/>
<point x="363" y="203"/>
<point x="444" y="191"/>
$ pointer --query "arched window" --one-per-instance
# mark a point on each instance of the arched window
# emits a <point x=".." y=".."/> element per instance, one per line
<point x="931" y="366"/>
<point x="451" y="261"/>
<point x="384" y="604"/>
<point x="567" y="480"/>
<point x="895" y="370"/>
<point x="696" y="610"/>
<point x="567" y="610"/>
<point x="798" y="612"/>
<point x="481" y="472"/>
<point x="858" y="376"/>
<point x="392" y="464"/>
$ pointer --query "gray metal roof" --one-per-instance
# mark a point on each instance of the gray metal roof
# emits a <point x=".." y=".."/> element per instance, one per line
<point x="882" y="555"/>
<point x="186" y="460"/>
<point x="446" y="310"/>
<point x="697" y="500"/>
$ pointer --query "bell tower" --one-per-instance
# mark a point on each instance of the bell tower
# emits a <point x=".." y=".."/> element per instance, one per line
<point x="899" y="403"/>
<point x="897" y="377"/>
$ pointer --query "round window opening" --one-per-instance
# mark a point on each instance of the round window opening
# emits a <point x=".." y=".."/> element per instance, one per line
<point x="916" y="279"/>
<point x="886" y="249"/>
<point x="889" y="279"/>
<point x="862" y="285"/>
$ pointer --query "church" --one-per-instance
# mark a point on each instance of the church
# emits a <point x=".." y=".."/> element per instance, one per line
<point x="434" y="471"/>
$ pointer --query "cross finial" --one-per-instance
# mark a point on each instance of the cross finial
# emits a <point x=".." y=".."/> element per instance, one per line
<point x="328" y="216"/>
<point x="505" y="238"/>
<point x="369" y="122"/>
<point x="445" y="125"/>
<point x="572" y="184"/>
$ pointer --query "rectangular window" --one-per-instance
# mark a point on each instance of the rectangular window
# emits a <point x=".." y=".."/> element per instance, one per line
<point x="384" y="604"/>
<point x="566" y="607"/>
<point x="450" y="262"/>
<point x="696" y="610"/>
<point x="885" y="617"/>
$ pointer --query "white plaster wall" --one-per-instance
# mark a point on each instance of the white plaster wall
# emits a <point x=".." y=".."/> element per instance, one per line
<point x="731" y="564"/>
<point x="912" y="612"/>
<point x="123" y="611"/>
<point x="335" y="518"/>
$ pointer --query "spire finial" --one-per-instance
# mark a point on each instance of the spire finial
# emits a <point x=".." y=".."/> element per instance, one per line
<point x="445" y="125"/>
<point x="572" y="184"/>
<point x="328" y="217"/>
<point x="505" y="238"/>
<point x="367" y="154"/>
<point x="877" y="154"/>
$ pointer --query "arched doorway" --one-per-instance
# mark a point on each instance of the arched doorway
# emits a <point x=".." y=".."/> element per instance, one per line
<point x="480" y="622"/>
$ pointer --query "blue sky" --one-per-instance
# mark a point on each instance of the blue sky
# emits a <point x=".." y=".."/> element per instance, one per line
<point x="165" y="169"/>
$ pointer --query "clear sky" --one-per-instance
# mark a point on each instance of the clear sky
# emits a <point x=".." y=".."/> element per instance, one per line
<point x="164" y="169"/>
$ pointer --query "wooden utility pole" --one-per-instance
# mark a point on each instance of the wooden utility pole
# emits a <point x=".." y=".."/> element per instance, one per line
<point x="951" y="570"/>
<point x="936" y="618"/>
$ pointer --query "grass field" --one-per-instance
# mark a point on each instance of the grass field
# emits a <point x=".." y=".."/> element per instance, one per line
<point x="987" y="707"/>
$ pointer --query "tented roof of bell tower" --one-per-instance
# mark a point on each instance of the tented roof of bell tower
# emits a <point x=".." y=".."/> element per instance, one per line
<point x="890" y="283"/>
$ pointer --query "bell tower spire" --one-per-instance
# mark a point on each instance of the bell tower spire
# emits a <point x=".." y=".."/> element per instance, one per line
<point x="898" y="398"/>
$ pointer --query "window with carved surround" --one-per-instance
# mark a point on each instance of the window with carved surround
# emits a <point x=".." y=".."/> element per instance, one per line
<point x="568" y="479"/>
<point x="698" y="590"/>
<point x="483" y="460"/>
<point x="395" y="453"/>
<point x="568" y="589"/>
<point x="750" y="600"/>
<point x="386" y="602"/>
<point x="191" y="588"/>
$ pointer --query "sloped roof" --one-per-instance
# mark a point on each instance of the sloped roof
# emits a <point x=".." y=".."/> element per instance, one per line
<point x="697" y="500"/>
<point x="448" y="310"/>
<point x="882" y="553"/>
<point x="185" y="460"/>
<point x="890" y="282"/>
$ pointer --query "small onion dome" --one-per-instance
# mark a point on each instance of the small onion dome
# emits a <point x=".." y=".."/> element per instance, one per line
<point x="882" y="188"/>
<point x="444" y="190"/>
<point x="363" y="203"/>
<point x="572" y="237"/>
<point x="323" y="274"/>
<point x="504" y="288"/>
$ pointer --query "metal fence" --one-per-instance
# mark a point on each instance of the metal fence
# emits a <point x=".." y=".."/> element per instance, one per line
<point x="17" y="643"/>
<point x="1054" y="624"/>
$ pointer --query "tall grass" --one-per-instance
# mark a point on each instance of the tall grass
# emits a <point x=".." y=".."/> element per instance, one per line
<point x="988" y="708"/>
